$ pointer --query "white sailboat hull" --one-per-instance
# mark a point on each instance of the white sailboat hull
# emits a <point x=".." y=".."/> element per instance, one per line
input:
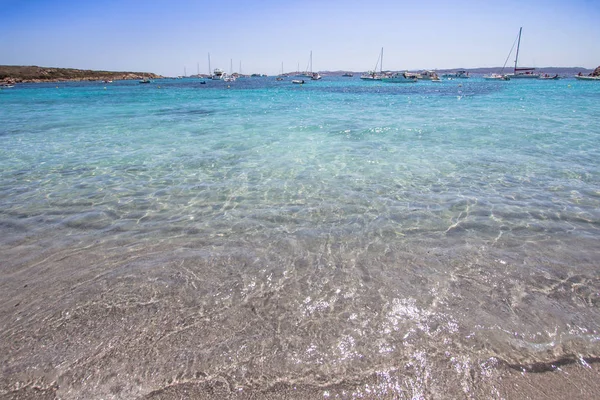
<point x="370" y="78"/>
<point x="523" y="76"/>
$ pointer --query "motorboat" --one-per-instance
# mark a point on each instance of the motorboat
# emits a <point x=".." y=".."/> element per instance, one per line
<point x="547" y="77"/>
<point x="460" y="74"/>
<point x="496" y="77"/>
<point x="399" y="77"/>
<point x="428" y="76"/>
<point x="218" y="74"/>
<point x="370" y="76"/>
<point x="587" y="78"/>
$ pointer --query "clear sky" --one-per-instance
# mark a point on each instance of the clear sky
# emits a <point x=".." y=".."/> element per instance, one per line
<point x="166" y="36"/>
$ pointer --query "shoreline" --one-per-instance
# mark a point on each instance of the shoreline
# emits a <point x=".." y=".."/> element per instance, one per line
<point x="132" y="78"/>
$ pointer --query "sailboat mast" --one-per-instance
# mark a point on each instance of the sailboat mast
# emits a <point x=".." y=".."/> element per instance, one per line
<point x="518" y="45"/>
<point x="209" y="70"/>
<point x="311" y="62"/>
<point x="381" y="64"/>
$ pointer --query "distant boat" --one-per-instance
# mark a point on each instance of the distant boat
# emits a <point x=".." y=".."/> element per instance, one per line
<point x="145" y="80"/>
<point x="496" y="77"/>
<point x="370" y="76"/>
<point x="298" y="81"/>
<point x="399" y="77"/>
<point x="500" y="77"/>
<point x="309" y="72"/>
<point x="348" y="75"/>
<point x="231" y="77"/>
<point x="281" y="75"/>
<point x="428" y="76"/>
<point x="460" y="74"/>
<point x="522" y="73"/>
<point x="547" y="77"/>
<point x="373" y="75"/>
<point x="587" y="78"/>
<point x="218" y="74"/>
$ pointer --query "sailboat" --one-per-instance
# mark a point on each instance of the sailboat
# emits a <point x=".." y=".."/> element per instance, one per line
<point x="373" y="75"/>
<point x="315" y="75"/>
<point x="240" y="74"/>
<point x="522" y="73"/>
<point x="230" y="77"/>
<point x="281" y="75"/>
<point x="309" y="73"/>
<point x="298" y="73"/>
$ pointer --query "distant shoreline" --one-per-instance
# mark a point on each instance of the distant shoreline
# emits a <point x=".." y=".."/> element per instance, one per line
<point x="482" y="70"/>
<point x="35" y="74"/>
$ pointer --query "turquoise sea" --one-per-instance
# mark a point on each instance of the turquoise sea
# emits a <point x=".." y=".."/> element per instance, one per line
<point x="400" y="240"/>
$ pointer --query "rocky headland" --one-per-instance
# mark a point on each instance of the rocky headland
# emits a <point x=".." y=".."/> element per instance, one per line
<point x="22" y="74"/>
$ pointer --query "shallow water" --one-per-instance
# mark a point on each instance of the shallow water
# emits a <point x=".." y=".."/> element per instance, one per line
<point x="270" y="233"/>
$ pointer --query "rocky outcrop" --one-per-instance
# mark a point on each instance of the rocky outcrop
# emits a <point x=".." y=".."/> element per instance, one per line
<point x="596" y="72"/>
<point x="16" y="74"/>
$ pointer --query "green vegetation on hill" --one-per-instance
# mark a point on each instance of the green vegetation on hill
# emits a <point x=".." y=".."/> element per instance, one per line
<point x="16" y="73"/>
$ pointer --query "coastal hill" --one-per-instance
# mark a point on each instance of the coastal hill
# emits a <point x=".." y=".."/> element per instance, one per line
<point x="18" y="73"/>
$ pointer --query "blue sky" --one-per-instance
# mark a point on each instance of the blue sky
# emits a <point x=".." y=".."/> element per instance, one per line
<point x="167" y="36"/>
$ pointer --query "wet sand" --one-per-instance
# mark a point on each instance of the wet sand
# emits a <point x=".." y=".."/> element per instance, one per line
<point x="121" y="320"/>
<point x="574" y="381"/>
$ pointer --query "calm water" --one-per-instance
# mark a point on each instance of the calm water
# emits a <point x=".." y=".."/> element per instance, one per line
<point x="419" y="236"/>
